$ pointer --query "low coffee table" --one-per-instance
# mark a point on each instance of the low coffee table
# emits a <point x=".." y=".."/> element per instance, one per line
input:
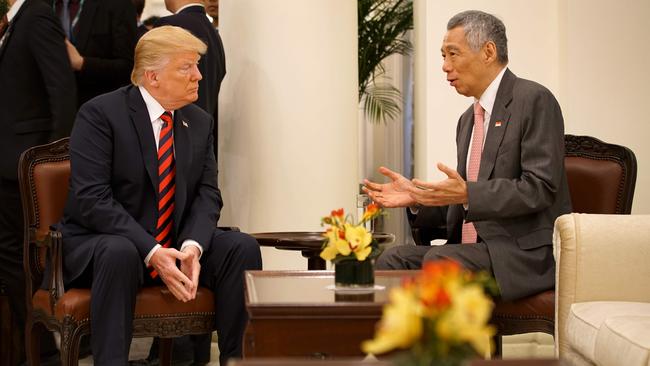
<point x="309" y="243"/>
<point x="295" y="314"/>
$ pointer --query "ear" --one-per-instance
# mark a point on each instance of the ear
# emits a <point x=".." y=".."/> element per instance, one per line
<point x="151" y="78"/>
<point x="489" y="52"/>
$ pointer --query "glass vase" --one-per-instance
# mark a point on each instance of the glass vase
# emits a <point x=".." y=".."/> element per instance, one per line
<point x="353" y="273"/>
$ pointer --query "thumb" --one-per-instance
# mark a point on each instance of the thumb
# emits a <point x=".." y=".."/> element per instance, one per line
<point x="451" y="173"/>
<point x="180" y="255"/>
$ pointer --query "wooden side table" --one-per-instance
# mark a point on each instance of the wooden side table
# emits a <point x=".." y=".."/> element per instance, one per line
<point x="309" y="243"/>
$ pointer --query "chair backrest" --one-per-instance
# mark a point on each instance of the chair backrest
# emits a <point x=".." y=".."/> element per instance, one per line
<point x="43" y="174"/>
<point x="601" y="176"/>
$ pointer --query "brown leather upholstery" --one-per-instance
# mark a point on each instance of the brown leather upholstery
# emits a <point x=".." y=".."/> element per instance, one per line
<point x="44" y="173"/>
<point x="601" y="179"/>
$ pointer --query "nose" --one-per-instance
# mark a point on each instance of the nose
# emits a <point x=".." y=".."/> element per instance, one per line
<point x="446" y="66"/>
<point x="196" y="74"/>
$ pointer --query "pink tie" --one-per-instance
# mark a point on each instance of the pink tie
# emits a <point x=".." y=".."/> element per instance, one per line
<point x="469" y="231"/>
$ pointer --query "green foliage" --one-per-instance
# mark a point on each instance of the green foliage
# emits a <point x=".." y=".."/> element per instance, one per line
<point x="382" y="24"/>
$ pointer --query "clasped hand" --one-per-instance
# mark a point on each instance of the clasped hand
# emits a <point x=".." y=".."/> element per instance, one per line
<point x="184" y="282"/>
<point x="401" y="192"/>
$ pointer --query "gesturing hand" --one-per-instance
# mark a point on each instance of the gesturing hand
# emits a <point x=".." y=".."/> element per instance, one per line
<point x="396" y="193"/>
<point x="452" y="190"/>
<point x="164" y="262"/>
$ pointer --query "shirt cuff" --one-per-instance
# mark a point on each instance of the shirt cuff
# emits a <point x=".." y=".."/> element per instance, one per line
<point x="194" y="243"/>
<point x="151" y="252"/>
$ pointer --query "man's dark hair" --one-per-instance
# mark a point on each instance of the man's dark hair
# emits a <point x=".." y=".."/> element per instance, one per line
<point x="480" y="28"/>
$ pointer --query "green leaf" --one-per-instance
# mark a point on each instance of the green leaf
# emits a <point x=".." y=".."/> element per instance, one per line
<point x="382" y="25"/>
<point x="382" y="102"/>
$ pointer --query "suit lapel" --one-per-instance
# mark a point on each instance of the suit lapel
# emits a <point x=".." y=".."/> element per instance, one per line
<point x="86" y="18"/>
<point x="183" y="151"/>
<point x="496" y="131"/>
<point x="464" y="136"/>
<point x="141" y="120"/>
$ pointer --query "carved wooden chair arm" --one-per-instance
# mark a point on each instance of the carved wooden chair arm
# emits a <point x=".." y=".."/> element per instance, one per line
<point x="52" y="240"/>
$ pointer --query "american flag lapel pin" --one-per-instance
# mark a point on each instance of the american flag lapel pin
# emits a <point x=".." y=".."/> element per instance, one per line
<point x="497" y="124"/>
<point x="185" y="124"/>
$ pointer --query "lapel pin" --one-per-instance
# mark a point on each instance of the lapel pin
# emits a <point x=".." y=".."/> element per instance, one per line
<point x="497" y="124"/>
<point x="185" y="124"/>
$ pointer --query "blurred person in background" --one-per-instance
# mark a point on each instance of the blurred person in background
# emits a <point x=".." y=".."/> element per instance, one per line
<point x="38" y="104"/>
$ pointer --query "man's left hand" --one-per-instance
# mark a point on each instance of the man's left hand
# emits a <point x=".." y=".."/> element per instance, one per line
<point x="450" y="191"/>
<point x="191" y="268"/>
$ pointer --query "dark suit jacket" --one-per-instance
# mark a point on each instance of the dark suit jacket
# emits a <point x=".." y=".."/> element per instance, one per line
<point x="114" y="177"/>
<point x="212" y="65"/>
<point x="105" y="36"/>
<point x="521" y="188"/>
<point x="37" y="91"/>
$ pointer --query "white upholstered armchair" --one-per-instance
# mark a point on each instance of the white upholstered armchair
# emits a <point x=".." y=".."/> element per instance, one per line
<point x="603" y="289"/>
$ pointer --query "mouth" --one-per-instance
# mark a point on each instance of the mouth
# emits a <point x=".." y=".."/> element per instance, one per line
<point x="452" y="82"/>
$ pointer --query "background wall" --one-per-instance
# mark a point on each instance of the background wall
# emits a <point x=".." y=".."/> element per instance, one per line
<point x="288" y="116"/>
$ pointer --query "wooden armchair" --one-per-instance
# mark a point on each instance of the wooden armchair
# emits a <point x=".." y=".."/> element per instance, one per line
<point x="44" y="180"/>
<point x="601" y="179"/>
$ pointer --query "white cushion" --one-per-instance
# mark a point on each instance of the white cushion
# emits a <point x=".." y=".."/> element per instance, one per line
<point x="586" y="318"/>
<point x="624" y="340"/>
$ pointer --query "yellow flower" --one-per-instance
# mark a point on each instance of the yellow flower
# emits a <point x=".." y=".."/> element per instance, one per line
<point x="400" y="326"/>
<point x="467" y="318"/>
<point x="335" y="244"/>
<point x="359" y="239"/>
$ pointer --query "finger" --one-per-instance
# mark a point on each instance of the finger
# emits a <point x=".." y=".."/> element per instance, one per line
<point x="389" y="173"/>
<point x="451" y="173"/>
<point x="368" y="186"/>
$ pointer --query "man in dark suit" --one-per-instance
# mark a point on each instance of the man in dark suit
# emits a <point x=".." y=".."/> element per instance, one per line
<point x="143" y="195"/>
<point x="37" y="99"/>
<point x="190" y="14"/>
<point x="510" y="183"/>
<point x="101" y="38"/>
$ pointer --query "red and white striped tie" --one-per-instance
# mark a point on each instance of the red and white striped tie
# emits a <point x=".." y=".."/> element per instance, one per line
<point x="166" y="184"/>
<point x="469" y="231"/>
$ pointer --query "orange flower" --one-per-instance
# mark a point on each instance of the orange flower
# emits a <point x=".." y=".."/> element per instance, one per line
<point x="337" y="213"/>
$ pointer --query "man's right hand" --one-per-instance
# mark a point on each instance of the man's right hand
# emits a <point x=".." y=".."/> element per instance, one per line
<point x="393" y="194"/>
<point x="164" y="262"/>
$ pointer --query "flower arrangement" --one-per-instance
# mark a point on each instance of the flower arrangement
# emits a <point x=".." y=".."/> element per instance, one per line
<point x="347" y="241"/>
<point x="439" y="316"/>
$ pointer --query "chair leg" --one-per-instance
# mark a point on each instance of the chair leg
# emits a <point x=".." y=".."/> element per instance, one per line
<point x="165" y="351"/>
<point x="70" y="339"/>
<point x="33" y="332"/>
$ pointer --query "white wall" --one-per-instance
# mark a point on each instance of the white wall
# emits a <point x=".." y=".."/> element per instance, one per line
<point x="592" y="54"/>
<point x="288" y="116"/>
<point x="606" y="78"/>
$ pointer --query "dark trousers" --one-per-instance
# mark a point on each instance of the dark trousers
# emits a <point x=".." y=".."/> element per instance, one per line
<point x="117" y="272"/>
<point x="12" y="275"/>
<point x="474" y="257"/>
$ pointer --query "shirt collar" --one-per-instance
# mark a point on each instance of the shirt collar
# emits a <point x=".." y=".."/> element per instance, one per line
<point x="14" y="9"/>
<point x="153" y="107"/>
<point x="490" y="94"/>
<point x="188" y="5"/>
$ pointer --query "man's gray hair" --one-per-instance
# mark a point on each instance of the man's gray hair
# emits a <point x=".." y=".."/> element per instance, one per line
<point x="480" y="28"/>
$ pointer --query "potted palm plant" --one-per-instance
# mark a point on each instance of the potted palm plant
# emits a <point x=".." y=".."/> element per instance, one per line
<point x="382" y="25"/>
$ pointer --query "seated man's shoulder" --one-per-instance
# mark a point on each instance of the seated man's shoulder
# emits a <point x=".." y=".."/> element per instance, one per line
<point x="524" y="88"/>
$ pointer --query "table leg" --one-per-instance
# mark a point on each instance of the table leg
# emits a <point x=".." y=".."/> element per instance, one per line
<point x="314" y="261"/>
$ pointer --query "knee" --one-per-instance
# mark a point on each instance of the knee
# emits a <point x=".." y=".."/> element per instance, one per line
<point x="387" y="258"/>
<point x="249" y="250"/>
<point x="118" y="252"/>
